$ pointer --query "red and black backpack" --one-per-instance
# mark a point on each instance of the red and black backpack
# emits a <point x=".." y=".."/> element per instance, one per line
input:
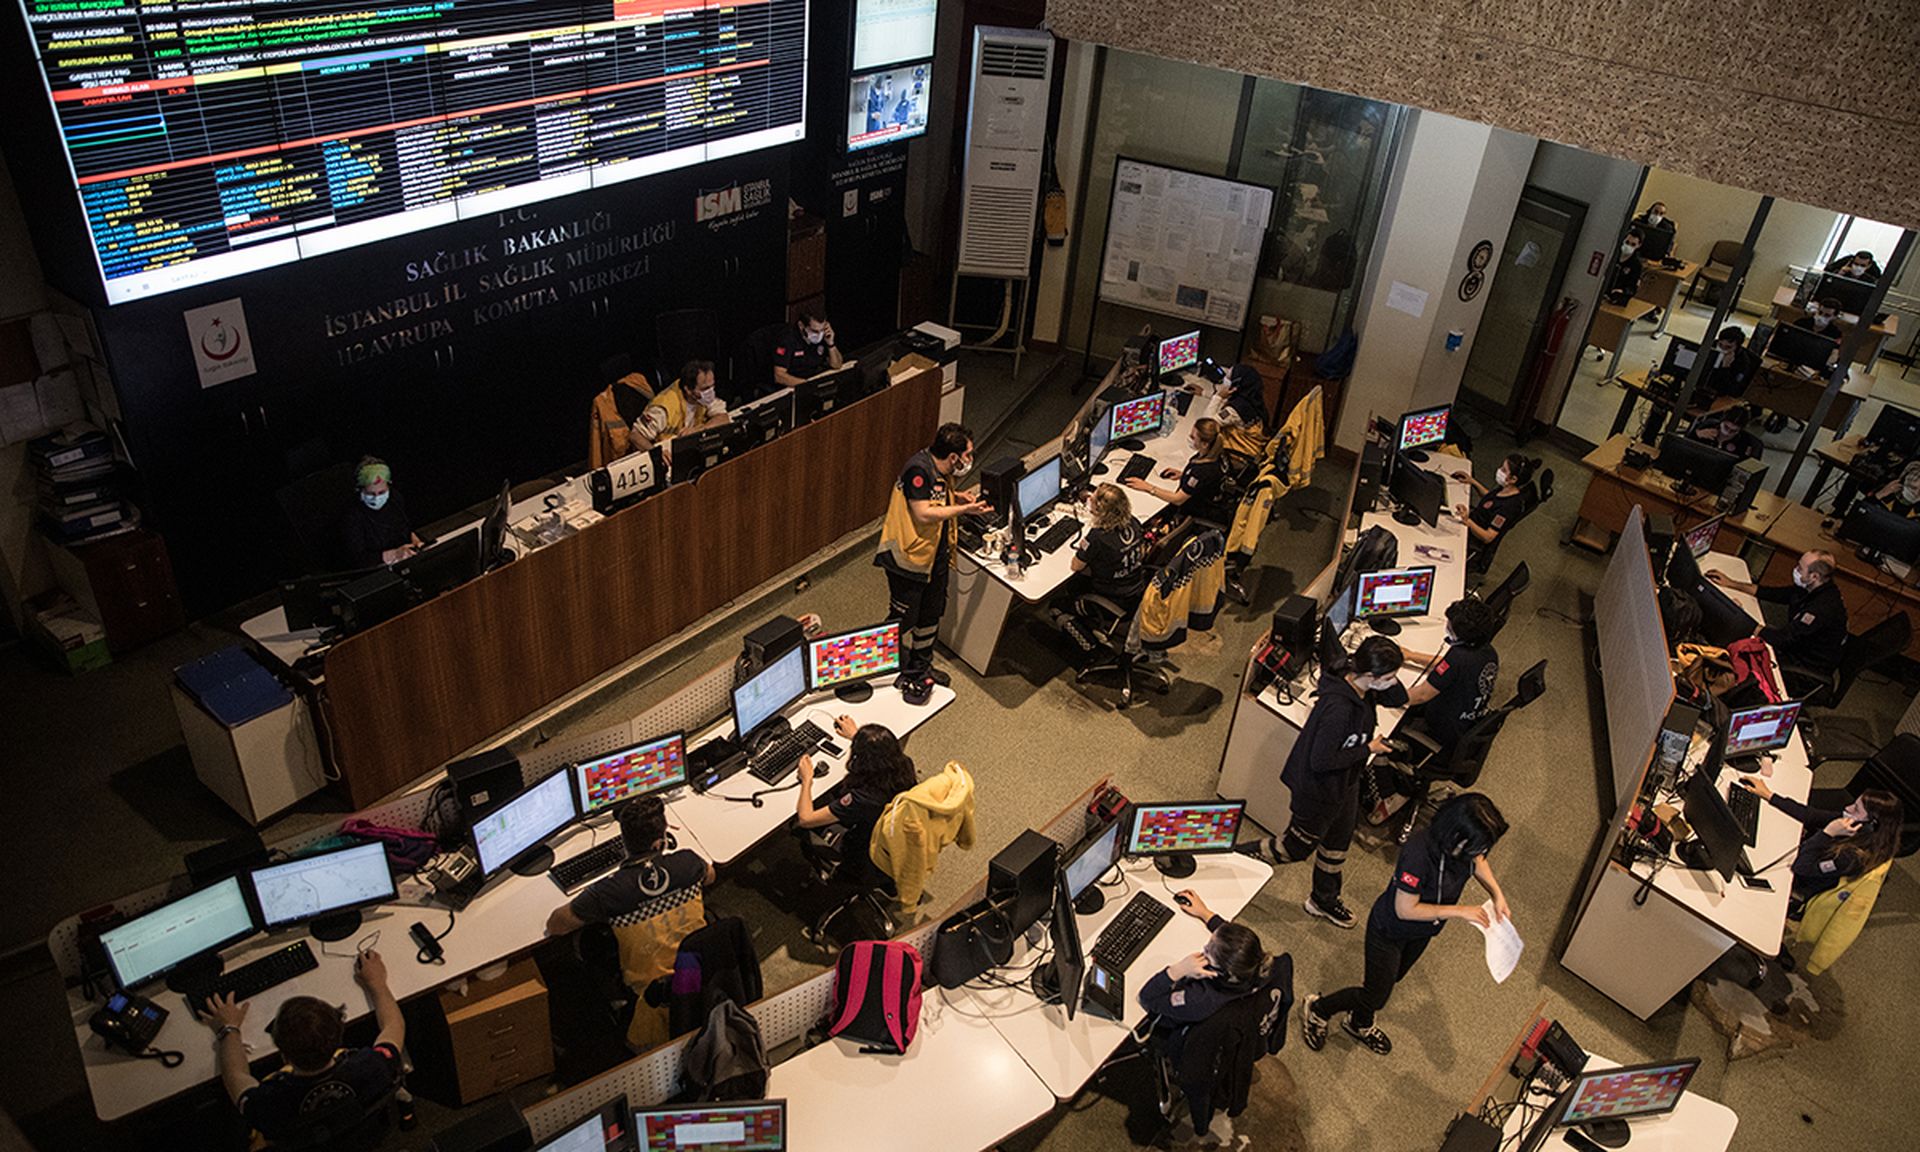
<point x="876" y="995"/>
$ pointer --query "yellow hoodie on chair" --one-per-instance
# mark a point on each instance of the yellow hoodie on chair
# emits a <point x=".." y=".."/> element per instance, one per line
<point x="1832" y="919"/>
<point x="917" y="824"/>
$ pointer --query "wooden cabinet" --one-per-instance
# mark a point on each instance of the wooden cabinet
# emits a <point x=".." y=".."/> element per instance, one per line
<point x="497" y="1032"/>
<point x="126" y="581"/>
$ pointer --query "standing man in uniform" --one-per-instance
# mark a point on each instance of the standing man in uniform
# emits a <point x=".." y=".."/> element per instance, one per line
<point x="807" y="349"/>
<point x="1809" y="644"/>
<point x="917" y="542"/>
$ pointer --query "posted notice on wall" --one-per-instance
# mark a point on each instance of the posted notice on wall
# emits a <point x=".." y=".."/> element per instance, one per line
<point x="1406" y="298"/>
<point x="222" y="348"/>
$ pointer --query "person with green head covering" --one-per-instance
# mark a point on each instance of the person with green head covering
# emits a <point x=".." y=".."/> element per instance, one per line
<point x="376" y="529"/>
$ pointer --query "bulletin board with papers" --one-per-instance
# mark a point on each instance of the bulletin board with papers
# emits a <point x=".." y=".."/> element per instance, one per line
<point x="1183" y="244"/>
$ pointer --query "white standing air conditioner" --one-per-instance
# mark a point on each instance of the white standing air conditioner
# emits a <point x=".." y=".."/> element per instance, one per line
<point x="1006" y="141"/>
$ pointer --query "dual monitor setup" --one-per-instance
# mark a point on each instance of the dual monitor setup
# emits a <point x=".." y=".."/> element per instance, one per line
<point x="1170" y="834"/>
<point x="731" y="1126"/>
<point x="1419" y="494"/>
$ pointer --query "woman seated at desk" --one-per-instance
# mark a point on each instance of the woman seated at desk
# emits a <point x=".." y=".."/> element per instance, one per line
<point x="1727" y="431"/>
<point x="1835" y="847"/>
<point x="1232" y="964"/>
<point x="376" y="531"/>
<point x="1500" y="507"/>
<point x="1201" y="481"/>
<point x="877" y="771"/>
<point x="1902" y="496"/>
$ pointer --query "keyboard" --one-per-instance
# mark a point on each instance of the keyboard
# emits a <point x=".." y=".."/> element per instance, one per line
<point x="1139" y="467"/>
<point x="255" y="977"/>
<point x="1129" y="933"/>
<point x="574" y="871"/>
<point x="1061" y="531"/>
<point x="1745" y="803"/>
<point x="781" y="757"/>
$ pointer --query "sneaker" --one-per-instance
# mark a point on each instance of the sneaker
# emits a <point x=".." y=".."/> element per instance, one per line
<point x="939" y="677"/>
<point x="1337" y="913"/>
<point x="1375" y="1040"/>
<point x="1313" y="1026"/>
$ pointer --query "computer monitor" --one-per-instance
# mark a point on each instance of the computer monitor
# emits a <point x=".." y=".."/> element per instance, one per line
<point x="493" y="529"/>
<point x="1174" y="833"/>
<point x="1879" y="531"/>
<point x="748" y="1126"/>
<point x="1419" y="429"/>
<point x="1039" y="487"/>
<point x="1694" y="464"/>
<point x="1701" y="536"/>
<point x="1380" y="597"/>
<point x="763" y="421"/>
<point x="1099" y="437"/>
<point x="1179" y="352"/>
<point x="630" y="773"/>
<point x="847" y="661"/>
<point x="1419" y="493"/>
<point x="760" y="698"/>
<point x="1059" y="979"/>
<point x="180" y="939"/>
<point x="694" y="452"/>
<point x="1717" y="841"/>
<point x="610" y="1129"/>
<point x="1089" y="860"/>
<point x="1134" y="418"/>
<point x="1801" y="347"/>
<point x="310" y="601"/>
<point x="1655" y="243"/>
<point x="445" y="566"/>
<point x="1721" y="620"/>
<point x="1601" y="1101"/>
<point x="1680" y="356"/>
<point x="1851" y="294"/>
<point x="1766" y="728"/>
<point x="327" y="889"/>
<point x="512" y="835"/>
<point x="821" y="395"/>
<point x="1340" y="610"/>
<point x="1896" y="430"/>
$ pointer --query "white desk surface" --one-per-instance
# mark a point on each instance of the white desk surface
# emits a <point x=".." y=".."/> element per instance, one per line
<point x="1041" y="578"/>
<point x="269" y="630"/>
<point x="839" y="1097"/>
<point x="1696" y="1124"/>
<point x="1426" y="634"/>
<point x="1752" y="917"/>
<point x="725" y="829"/>
<point x="1066" y="1053"/>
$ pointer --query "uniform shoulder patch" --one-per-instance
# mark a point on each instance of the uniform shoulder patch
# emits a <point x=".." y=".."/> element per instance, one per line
<point x="1409" y="880"/>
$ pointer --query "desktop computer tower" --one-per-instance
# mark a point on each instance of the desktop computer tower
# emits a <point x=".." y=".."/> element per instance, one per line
<point x="772" y="640"/>
<point x="1373" y="470"/>
<point x="1295" y="623"/>
<point x="1742" y="487"/>
<point x="997" y="483"/>
<point x="484" y="782"/>
<point x="372" y="599"/>
<point x="1022" y="875"/>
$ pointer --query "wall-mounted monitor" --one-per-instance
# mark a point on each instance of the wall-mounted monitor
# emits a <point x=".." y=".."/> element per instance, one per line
<point x="203" y="147"/>
<point x="886" y="106"/>
<point x="892" y="32"/>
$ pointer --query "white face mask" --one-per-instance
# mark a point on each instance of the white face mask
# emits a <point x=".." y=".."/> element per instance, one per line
<point x="1501" y="479"/>
<point x="1820" y="321"/>
<point x="1800" y="581"/>
<point x="1856" y="268"/>
<point x="815" y="337"/>
<point x="1726" y="357"/>
<point x="1910" y="495"/>
<point x="1656" y="217"/>
<point x="375" y="500"/>
<point x="705" y="396"/>
<point x="1629" y="249"/>
<point x="963" y="467"/>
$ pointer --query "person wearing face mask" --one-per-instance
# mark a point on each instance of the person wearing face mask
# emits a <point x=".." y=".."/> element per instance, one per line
<point x="1825" y="319"/>
<point x="807" y="349"/>
<point x="1902" y="497"/>
<point x="376" y="530"/>
<point x="1731" y="369"/>
<point x="1322" y="773"/>
<point x="1808" y="647"/>
<point x="1655" y="217"/>
<point x="1623" y="280"/>
<point x="688" y="405"/>
<point x="1233" y="963"/>
<point x="917" y="542"/>
<point x="1499" y="507"/>
<point x="1199" y="492"/>
<point x="1242" y="411"/>
<point x="1836" y="847"/>
<point x="1727" y="431"/>
<point x="1423" y="895"/>
<point x="1449" y="698"/>
<point x="1859" y="266"/>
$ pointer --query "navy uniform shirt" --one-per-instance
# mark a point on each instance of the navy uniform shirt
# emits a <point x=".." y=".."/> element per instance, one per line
<point x="1816" y="625"/>
<point x="1116" y="560"/>
<point x="793" y="353"/>
<point x="1431" y="879"/>
<point x="1201" y="481"/>
<point x="1463" y="679"/>
<point x="277" y="1105"/>
<point x="638" y="883"/>
<point x="1498" y="512"/>
<point x="1326" y="759"/>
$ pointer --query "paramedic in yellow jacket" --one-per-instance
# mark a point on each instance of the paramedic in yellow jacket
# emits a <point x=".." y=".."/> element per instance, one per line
<point x="917" y="544"/>
<point x="1835" y="847"/>
<point x="616" y="416"/>
<point x="652" y="902"/>
<point x="687" y="405"/>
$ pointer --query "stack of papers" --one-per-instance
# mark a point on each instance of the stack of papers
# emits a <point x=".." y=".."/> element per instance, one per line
<point x="1503" y="945"/>
<point x="78" y="488"/>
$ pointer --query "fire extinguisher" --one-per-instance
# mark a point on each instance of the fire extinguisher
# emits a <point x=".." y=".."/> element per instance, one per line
<point x="1557" y="325"/>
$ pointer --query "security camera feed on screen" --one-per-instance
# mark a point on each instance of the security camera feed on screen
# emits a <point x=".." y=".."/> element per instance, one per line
<point x="886" y="106"/>
<point x="1183" y="828"/>
<point x="632" y="772"/>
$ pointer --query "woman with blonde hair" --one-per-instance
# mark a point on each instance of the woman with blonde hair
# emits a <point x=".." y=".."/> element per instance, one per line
<point x="1111" y="558"/>
<point x="1199" y="492"/>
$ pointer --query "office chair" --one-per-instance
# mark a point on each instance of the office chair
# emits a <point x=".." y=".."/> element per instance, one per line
<point x="313" y="507"/>
<point x="1895" y="768"/>
<point x="1500" y="600"/>
<point x="1533" y="494"/>
<point x="1861" y="651"/>
<point x="1458" y="767"/>
<point x="753" y="361"/>
<point x="1106" y="626"/>
<point x="685" y="334"/>
<point x="346" y="1124"/>
<point x="1723" y="253"/>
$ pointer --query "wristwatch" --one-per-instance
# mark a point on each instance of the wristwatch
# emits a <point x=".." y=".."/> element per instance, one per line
<point x="221" y="1032"/>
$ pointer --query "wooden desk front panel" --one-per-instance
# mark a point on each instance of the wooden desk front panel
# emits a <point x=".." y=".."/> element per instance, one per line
<point x="405" y="696"/>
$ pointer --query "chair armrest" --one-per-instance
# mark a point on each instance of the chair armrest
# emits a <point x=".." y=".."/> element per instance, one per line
<point x="1095" y="600"/>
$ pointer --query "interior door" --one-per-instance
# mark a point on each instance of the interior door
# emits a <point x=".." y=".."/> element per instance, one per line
<point x="1526" y="284"/>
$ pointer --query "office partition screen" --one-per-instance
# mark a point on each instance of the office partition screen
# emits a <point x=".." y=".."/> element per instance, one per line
<point x="209" y="138"/>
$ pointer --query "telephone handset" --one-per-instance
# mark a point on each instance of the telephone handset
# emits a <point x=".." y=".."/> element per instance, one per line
<point x="128" y="1022"/>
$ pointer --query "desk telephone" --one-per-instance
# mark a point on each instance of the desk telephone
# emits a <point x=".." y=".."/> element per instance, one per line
<point x="128" y="1022"/>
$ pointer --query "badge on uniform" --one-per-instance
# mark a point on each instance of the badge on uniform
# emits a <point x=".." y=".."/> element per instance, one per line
<point x="1806" y="618"/>
<point x="1409" y="881"/>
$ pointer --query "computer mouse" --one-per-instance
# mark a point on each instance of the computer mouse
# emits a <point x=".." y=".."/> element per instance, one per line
<point x="1181" y="899"/>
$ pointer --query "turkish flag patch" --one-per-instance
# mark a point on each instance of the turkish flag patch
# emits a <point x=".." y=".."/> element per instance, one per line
<point x="1441" y="669"/>
<point x="919" y="481"/>
<point x="1499" y="521"/>
<point x="1409" y="881"/>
